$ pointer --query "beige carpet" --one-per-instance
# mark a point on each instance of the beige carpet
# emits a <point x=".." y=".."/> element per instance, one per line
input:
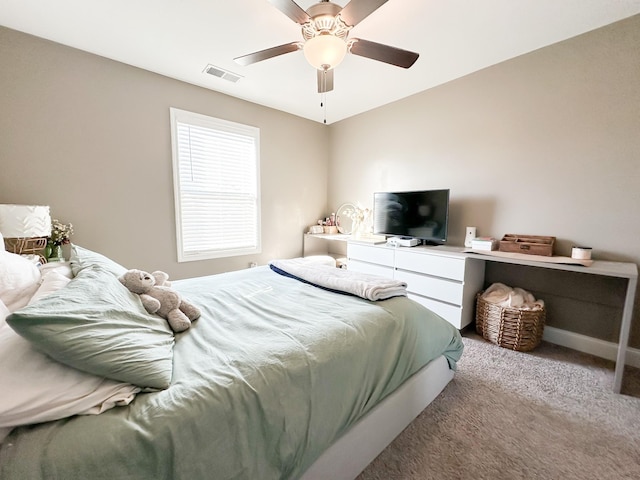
<point x="548" y="414"/>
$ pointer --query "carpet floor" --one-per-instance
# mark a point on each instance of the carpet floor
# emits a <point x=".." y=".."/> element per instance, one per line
<point x="546" y="414"/>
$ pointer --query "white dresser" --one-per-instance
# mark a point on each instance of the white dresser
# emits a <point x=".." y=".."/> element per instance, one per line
<point x="442" y="279"/>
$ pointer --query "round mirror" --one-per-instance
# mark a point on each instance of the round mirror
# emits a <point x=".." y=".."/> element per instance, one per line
<point x="343" y="218"/>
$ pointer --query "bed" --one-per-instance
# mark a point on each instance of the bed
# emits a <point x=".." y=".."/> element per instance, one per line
<point x="277" y="379"/>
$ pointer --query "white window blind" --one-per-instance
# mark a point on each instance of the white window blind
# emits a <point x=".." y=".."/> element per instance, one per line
<point x="216" y="185"/>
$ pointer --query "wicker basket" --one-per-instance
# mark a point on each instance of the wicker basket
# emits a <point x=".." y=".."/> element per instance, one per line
<point x="508" y="327"/>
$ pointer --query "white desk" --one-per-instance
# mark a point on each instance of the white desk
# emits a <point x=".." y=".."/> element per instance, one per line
<point x="628" y="271"/>
<point x="334" y="245"/>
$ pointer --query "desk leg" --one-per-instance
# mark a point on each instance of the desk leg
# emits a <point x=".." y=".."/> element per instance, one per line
<point x="625" y="327"/>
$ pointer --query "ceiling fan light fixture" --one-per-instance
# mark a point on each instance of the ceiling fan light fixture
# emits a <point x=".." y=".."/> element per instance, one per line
<point x="325" y="51"/>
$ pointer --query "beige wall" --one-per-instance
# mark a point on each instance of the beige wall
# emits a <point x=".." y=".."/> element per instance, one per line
<point x="91" y="138"/>
<point x="545" y="144"/>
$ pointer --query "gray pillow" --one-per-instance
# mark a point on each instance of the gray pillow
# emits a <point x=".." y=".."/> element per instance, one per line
<point x="97" y="325"/>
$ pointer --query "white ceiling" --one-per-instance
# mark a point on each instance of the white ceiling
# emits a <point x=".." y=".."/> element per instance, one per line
<point x="179" y="38"/>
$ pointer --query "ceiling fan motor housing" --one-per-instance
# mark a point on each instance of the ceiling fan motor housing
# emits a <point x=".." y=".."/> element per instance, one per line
<point x="325" y="20"/>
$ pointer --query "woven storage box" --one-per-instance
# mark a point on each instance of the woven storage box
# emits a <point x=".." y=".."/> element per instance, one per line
<point x="527" y="244"/>
<point x="508" y="327"/>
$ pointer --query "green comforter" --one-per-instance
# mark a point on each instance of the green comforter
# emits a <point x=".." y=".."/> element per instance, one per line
<point x="273" y="372"/>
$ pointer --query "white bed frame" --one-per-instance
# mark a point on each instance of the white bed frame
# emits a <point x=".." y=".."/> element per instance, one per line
<point x="351" y="453"/>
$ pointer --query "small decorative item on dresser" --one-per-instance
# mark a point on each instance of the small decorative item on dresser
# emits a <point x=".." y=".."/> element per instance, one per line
<point x="469" y="236"/>
<point x="361" y="221"/>
<point x="528" y="244"/>
<point x="60" y="235"/>
<point x="581" y="253"/>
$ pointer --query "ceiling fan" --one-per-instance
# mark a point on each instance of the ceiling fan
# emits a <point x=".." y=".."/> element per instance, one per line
<point x="325" y="28"/>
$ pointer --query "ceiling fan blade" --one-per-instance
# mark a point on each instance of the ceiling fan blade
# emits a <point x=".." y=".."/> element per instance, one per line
<point x="268" y="53"/>
<point x="292" y="10"/>
<point x="357" y="10"/>
<point x="383" y="53"/>
<point x="325" y="81"/>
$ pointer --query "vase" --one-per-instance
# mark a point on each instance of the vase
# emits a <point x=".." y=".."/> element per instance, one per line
<point x="359" y="230"/>
<point x="362" y="227"/>
<point x="56" y="254"/>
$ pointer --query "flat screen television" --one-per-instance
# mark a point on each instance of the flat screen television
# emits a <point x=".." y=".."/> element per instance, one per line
<point x="422" y="214"/>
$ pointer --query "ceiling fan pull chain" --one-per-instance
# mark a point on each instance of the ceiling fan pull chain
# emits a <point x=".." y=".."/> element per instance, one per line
<point x="323" y="104"/>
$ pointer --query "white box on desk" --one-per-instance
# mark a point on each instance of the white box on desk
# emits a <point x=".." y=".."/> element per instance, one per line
<point x="487" y="244"/>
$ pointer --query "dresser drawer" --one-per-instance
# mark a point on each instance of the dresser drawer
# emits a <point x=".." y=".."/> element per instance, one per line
<point x="450" y="313"/>
<point x="370" y="268"/>
<point x="436" y="265"/>
<point x="371" y="254"/>
<point x="432" y="287"/>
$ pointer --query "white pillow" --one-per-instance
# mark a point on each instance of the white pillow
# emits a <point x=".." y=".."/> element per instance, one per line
<point x="19" y="280"/>
<point x="36" y="388"/>
<point x="52" y="280"/>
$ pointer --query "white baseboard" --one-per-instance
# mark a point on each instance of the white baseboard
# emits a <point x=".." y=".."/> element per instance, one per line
<point x="593" y="346"/>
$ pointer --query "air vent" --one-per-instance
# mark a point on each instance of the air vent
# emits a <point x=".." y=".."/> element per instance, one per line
<point x="220" y="73"/>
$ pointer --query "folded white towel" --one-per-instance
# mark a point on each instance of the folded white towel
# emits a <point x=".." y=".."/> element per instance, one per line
<point x="505" y="296"/>
<point x="370" y="287"/>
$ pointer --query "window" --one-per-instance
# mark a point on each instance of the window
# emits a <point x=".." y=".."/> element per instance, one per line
<point x="216" y="186"/>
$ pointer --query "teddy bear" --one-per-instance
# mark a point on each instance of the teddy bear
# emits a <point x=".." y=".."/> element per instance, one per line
<point x="157" y="297"/>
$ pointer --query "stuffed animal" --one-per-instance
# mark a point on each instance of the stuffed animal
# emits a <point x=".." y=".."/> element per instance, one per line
<point x="157" y="297"/>
<point x="162" y="279"/>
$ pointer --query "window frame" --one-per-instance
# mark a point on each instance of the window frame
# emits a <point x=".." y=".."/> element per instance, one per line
<point x="178" y="116"/>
